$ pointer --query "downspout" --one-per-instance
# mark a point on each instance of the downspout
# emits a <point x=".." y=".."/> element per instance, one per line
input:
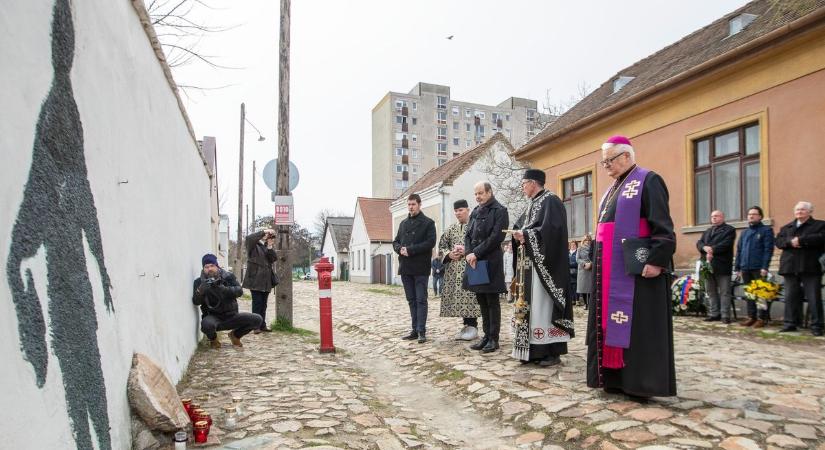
<point x="443" y="193"/>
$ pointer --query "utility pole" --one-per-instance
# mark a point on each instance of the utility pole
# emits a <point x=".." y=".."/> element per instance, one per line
<point x="283" y="293"/>
<point x="237" y="266"/>
<point x="254" y="221"/>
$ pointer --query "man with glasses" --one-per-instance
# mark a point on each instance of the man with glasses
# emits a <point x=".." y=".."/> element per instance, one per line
<point x="629" y="326"/>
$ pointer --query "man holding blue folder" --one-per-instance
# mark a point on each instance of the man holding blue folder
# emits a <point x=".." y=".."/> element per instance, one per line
<point x="485" y="264"/>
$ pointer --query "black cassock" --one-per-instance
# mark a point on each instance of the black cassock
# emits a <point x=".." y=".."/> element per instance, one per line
<point x="545" y="234"/>
<point x="649" y="366"/>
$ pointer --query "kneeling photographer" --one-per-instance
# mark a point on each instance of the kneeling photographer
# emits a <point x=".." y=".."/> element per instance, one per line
<point x="216" y="291"/>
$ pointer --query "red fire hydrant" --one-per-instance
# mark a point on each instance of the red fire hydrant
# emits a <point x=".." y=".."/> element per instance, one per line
<point x="324" y="269"/>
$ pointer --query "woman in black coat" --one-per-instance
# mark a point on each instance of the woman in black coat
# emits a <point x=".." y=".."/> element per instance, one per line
<point x="482" y="242"/>
<point x="260" y="271"/>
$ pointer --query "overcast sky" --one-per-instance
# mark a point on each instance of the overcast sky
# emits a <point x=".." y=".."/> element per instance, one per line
<point x="346" y="55"/>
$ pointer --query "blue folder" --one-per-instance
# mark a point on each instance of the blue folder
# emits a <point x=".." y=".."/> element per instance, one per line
<point x="478" y="275"/>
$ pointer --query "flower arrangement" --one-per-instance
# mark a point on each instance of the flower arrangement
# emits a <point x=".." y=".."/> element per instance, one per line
<point x="762" y="292"/>
<point x="687" y="294"/>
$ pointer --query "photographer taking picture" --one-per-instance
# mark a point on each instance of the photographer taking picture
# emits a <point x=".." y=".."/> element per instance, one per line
<point x="260" y="275"/>
<point x="216" y="291"/>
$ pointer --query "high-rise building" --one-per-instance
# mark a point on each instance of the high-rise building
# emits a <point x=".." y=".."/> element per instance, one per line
<point x="415" y="132"/>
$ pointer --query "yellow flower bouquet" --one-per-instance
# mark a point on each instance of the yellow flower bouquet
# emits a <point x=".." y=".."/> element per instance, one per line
<point x="762" y="292"/>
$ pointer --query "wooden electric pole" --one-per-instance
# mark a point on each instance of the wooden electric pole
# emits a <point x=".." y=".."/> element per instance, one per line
<point x="254" y="225"/>
<point x="283" y="293"/>
<point x="237" y="265"/>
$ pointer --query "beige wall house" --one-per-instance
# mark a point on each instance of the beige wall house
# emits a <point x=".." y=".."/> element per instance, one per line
<point x="731" y="116"/>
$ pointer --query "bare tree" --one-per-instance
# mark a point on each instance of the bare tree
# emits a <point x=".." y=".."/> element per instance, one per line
<point x="504" y="172"/>
<point x="321" y="220"/>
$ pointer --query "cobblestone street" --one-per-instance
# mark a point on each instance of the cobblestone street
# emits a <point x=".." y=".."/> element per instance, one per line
<point x="737" y="389"/>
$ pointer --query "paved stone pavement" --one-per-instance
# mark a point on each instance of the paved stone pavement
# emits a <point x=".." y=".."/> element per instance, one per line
<point x="738" y="389"/>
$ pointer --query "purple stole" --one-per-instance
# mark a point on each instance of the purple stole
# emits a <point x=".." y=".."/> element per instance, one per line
<point x="617" y="313"/>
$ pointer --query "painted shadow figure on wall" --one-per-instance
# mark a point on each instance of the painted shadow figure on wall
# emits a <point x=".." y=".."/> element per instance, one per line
<point x="57" y="212"/>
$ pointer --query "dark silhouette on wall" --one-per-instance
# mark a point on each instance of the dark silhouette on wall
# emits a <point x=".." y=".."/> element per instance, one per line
<point x="58" y="210"/>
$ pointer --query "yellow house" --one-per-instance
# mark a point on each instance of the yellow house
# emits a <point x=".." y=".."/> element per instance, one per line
<point x="731" y="116"/>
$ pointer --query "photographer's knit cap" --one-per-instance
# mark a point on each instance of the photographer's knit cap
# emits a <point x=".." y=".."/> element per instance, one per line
<point x="209" y="259"/>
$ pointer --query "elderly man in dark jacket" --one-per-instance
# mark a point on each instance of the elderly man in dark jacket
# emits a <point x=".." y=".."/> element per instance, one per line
<point x="260" y="273"/>
<point x="716" y="246"/>
<point x="753" y="256"/>
<point x="216" y="291"/>
<point x="483" y="243"/>
<point x="802" y="244"/>
<point x="414" y="244"/>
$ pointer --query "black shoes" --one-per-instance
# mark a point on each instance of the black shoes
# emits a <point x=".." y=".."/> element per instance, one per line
<point x="492" y="345"/>
<point x="480" y="344"/>
<point x="411" y="336"/>
<point x="550" y="361"/>
<point x="726" y="321"/>
<point x="422" y="338"/>
<point x="787" y="329"/>
<point x="713" y="319"/>
<point x="816" y="332"/>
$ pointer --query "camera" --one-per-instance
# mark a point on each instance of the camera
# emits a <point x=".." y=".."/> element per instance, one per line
<point x="212" y="281"/>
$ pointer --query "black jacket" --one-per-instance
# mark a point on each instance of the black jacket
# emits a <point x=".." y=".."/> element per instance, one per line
<point x="484" y="237"/>
<point x="803" y="260"/>
<point x="218" y="297"/>
<point x="259" y="264"/>
<point x="720" y="238"/>
<point x="417" y="233"/>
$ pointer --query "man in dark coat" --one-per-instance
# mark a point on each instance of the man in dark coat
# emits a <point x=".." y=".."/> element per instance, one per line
<point x="630" y="322"/>
<point x="260" y="272"/>
<point x="438" y="274"/>
<point x="802" y="243"/>
<point x="753" y="256"/>
<point x="543" y="322"/>
<point x="716" y="247"/>
<point x="216" y="291"/>
<point x="414" y="244"/>
<point x="483" y="243"/>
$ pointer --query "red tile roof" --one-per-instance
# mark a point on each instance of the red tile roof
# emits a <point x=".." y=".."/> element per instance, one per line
<point x="377" y="218"/>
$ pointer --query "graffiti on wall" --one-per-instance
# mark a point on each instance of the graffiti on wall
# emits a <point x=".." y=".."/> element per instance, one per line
<point x="57" y="213"/>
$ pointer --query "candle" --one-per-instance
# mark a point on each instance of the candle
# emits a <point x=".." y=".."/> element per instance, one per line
<point x="180" y="440"/>
<point x="201" y="431"/>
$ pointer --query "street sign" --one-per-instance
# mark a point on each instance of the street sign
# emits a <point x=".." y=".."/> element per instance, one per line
<point x="284" y="210"/>
<point x="270" y="172"/>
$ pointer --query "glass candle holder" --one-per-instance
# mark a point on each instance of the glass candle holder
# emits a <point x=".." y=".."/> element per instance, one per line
<point x="229" y="420"/>
<point x="201" y="431"/>
<point x="187" y="405"/>
<point x="180" y="440"/>
<point x="237" y="400"/>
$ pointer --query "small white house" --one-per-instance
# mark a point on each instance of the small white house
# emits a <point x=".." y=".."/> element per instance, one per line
<point x="454" y="180"/>
<point x="370" y="246"/>
<point x="335" y="245"/>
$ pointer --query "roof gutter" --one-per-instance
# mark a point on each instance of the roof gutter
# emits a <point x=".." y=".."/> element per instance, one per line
<point x="751" y="46"/>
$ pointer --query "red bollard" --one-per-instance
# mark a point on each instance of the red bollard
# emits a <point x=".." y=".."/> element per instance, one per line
<point x="324" y="269"/>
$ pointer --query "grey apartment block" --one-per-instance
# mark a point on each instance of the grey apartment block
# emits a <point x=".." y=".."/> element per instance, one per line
<point x="422" y="129"/>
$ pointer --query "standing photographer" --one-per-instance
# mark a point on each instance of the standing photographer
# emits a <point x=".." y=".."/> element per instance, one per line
<point x="215" y="291"/>
<point x="260" y="275"/>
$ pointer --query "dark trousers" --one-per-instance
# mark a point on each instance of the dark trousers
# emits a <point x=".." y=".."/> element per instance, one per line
<point x="415" y="289"/>
<point x="811" y="290"/>
<point x="438" y="284"/>
<point x="490" y="314"/>
<point x="753" y="311"/>
<point x="471" y="322"/>
<point x="240" y="324"/>
<point x="259" y="299"/>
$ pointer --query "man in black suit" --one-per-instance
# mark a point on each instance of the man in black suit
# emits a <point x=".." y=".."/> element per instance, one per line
<point x="716" y="246"/>
<point x="414" y="244"/>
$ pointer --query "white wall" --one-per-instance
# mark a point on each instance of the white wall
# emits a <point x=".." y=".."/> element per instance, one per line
<point x="329" y="251"/>
<point x="154" y="228"/>
<point x="359" y="242"/>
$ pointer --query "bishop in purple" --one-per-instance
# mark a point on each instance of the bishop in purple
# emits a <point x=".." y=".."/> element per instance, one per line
<point x="630" y="323"/>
